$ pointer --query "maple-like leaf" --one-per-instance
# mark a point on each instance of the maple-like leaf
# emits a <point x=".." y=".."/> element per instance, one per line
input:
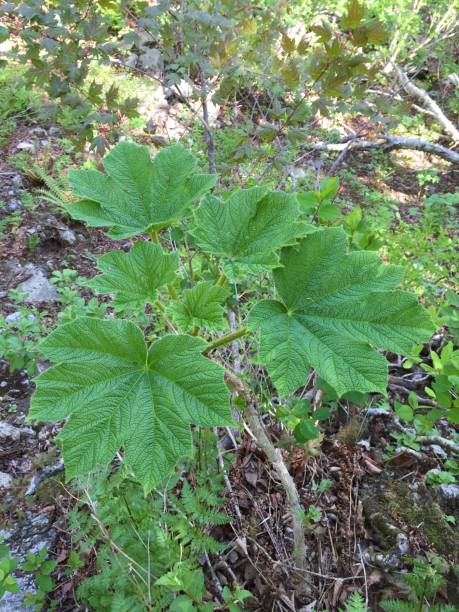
<point x="336" y="308"/>
<point x="134" y="277"/>
<point x="249" y="227"/>
<point x="117" y="392"/>
<point x="138" y="193"/>
<point x="200" y="307"/>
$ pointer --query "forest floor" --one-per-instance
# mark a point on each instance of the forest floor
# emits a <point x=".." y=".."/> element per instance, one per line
<point x="368" y="508"/>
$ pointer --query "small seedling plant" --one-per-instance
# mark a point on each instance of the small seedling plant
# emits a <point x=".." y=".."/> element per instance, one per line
<point x="134" y="392"/>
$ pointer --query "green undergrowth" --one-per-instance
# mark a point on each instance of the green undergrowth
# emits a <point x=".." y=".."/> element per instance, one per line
<point x="17" y="102"/>
<point x="148" y="549"/>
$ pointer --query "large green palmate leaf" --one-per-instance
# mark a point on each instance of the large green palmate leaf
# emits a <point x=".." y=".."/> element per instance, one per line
<point x="138" y="193"/>
<point x="249" y="227"/>
<point x="336" y="308"/>
<point x="116" y="392"/>
<point x="200" y="307"/>
<point x="134" y="277"/>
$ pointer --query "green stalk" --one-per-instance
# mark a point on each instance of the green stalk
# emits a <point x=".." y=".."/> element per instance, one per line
<point x="226" y="339"/>
<point x="154" y="236"/>
<point x="172" y="292"/>
<point x="221" y="279"/>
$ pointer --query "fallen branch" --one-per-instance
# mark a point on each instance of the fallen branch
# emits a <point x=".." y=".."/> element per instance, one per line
<point x="388" y="143"/>
<point x="275" y="457"/>
<point x="440" y="441"/>
<point x="431" y="106"/>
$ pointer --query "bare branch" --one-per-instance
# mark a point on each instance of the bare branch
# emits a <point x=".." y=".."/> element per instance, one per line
<point x="388" y="143"/>
<point x="430" y="105"/>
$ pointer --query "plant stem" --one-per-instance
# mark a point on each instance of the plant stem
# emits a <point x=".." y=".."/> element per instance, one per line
<point x="221" y="279"/>
<point x="226" y="339"/>
<point x="172" y="292"/>
<point x="154" y="236"/>
<point x="275" y="457"/>
<point x="208" y="137"/>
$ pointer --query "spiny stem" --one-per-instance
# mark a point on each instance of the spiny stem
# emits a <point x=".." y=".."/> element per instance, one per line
<point x="226" y="339"/>
<point x="274" y="455"/>
<point x="154" y="236"/>
<point x="160" y="305"/>
<point x="221" y="279"/>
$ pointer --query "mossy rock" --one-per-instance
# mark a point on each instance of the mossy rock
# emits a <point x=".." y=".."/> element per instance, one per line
<point x="392" y="507"/>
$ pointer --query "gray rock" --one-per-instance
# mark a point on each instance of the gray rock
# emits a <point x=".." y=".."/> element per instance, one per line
<point x="35" y="532"/>
<point x="6" y="480"/>
<point x="439" y="451"/>
<point x="15" y="204"/>
<point x="14" y="602"/>
<point x="9" y="433"/>
<point x="364" y="444"/>
<point x="450" y="495"/>
<point x="67" y="236"/>
<point x="38" y="131"/>
<point x="14" y="316"/>
<point x="402" y="545"/>
<point x="17" y="179"/>
<point x="37" y="287"/>
<point x="25" y="146"/>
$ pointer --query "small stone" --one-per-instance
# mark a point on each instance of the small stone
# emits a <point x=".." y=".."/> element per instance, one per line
<point x="6" y="481"/>
<point x="67" y="236"/>
<point x="37" y="288"/>
<point x="38" y="131"/>
<point x="402" y="545"/>
<point x="9" y="432"/>
<point x="233" y="557"/>
<point x="15" y="205"/>
<point x="14" y="316"/>
<point x="25" y="146"/>
<point x="17" y="179"/>
<point x="439" y="451"/>
<point x="450" y="491"/>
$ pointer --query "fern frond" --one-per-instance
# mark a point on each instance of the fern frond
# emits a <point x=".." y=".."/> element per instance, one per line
<point x="355" y="603"/>
<point x="397" y="605"/>
<point x="57" y="190"/>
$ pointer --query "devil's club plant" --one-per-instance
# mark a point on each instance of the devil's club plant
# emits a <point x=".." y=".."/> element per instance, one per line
<point x="120" y="390"/>
<point x="335" y="307"/>
<point x="138" y="194"/>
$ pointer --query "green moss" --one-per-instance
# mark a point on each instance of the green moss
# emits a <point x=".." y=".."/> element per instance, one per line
<point x="420" y="509"/>
<point x="392" y="505"/>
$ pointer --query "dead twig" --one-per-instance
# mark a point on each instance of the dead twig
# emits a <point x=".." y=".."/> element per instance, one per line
<point x="388" y="143"/>
<point x="430" y="106"/>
